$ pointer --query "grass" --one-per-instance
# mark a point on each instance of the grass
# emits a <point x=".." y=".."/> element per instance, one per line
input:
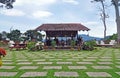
<point x="99" y="55"/>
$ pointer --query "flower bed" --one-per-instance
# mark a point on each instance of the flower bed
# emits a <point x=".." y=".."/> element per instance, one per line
<point x="2" y="53"/>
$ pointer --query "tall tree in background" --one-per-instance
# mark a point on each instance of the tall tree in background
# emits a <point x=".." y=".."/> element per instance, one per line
<point x="8" y="3"/>
<point x="33" y="34"/>
<point x="14" y="35"/>
<point x="116" y="4"/>
<point x="103" y="14"/>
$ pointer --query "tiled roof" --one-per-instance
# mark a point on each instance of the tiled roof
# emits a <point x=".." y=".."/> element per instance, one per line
<point x="62" y="27"/>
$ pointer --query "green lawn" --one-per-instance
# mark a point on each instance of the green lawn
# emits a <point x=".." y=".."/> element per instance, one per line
<point x="100" y="60"/>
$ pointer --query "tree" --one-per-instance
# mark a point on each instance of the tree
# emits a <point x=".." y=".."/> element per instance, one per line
<point x="116" y="4"/>
<point x="4" y="35"/>
<point x="8" y="3"/>
<point x="14" y="35"/>
<point x="103" y="14"/>
<point x="33" y="34"/>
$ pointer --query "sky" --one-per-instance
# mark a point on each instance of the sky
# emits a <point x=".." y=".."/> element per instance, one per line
<point x="29" y="14"/>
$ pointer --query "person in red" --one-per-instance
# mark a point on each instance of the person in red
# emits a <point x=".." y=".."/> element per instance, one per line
<point x="2" y="53"/>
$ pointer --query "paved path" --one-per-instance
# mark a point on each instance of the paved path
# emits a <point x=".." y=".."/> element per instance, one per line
<point x="62" y="64"/>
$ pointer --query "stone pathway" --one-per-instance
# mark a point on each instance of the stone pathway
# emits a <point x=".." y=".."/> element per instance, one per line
<point x="66" y="74"/>
<point x="67" y="65"/>
<point x="8" y="74"/>
<point x="98" y="74"/>
<point x="28" y="67"/>
<point x="34" y="74"/>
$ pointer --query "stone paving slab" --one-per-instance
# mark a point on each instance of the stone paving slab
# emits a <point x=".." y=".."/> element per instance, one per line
<point x="44" y="62"/>
<point x="118" y="59"/>
<point x="101" y="67"/>
<point x="49" y="57"/>
<point x="52" y="67"/>
<point x="118" y="66"/>
<point x="72" y="59"/>
<point x="77" y="67"/>
<point x="98" y="74"/>
<point x="7" y="67"/>
<point x="34" y="74"/>
<point x="22" y="60"/>
<point x="66" y="74"/>
<point x="89" y="59"/>
<point x="105" y="59"/>
<point x="22" y="63"/>
<point x="105" y="63"/>
<point x="118" y="73"/>
<point x="118" y="62"/>
<point x="7" y="63"/>
<point x="28" y="67"/>
<point x="78" y="57"/>
<point x="64" y="62"/>
<point x="92" y="57"/>
<point x="7" y="60"/>
<point x="40" y="60"/>
<point x="84" y="63"/>
<point x="55" y="59"/>
<point x="8" y="74"/>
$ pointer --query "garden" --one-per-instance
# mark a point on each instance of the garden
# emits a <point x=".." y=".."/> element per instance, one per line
<point x="98" y="63"/>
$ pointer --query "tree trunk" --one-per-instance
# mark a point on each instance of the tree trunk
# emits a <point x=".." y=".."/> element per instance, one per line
<point x="118" y="28"/>
<point x="104" y="18"/>
<point x="117" y="18"/>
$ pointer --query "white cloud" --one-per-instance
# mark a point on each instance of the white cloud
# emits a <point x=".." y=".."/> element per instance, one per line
<point x="12" y="12"/>
<point x="41" y="14"/>
<point x="33" y="2"/>
<point x="71" y="1"/>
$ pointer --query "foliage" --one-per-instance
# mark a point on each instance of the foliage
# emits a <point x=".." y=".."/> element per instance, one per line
<point x="14" y="35"/>
<point x="53" y="43"/>
<point x="8" y="3"/>
<point x="31" y="45"/>
<point x="0" y="36"/>
<point x="33" y="34"/>
<point x="72" y="43"/>
<point x="89" y="45"/>
<point x="3" y="44"/>
<point x="112" y="37"/>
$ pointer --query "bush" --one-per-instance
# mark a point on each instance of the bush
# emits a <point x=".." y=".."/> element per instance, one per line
<point x="53" y="43"/>
<point x="31" y="45"/>
<point x="72" y="43"/>
<point x="89" y="45"/>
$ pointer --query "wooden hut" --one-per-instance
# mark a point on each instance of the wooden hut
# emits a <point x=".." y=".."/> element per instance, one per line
<point x="62" y="29"/>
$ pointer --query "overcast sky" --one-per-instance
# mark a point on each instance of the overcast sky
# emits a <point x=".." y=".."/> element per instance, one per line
<point x="29" y="14"/>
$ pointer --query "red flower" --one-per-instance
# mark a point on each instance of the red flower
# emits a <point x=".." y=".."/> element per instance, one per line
<point x="2" y="52"/>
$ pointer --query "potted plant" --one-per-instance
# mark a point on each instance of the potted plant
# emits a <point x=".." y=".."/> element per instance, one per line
<point x="2" y="53"/>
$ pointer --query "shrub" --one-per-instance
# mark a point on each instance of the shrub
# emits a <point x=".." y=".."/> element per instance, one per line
<point x="31" y="45"/>
<point x="89" y="45"/>
<point x="72" y="43"/>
